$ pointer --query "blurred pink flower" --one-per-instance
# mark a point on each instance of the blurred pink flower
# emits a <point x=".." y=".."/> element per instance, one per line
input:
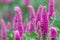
<point x="45" y="23"/>
<point x="6" y="1"/>
<point x="51" y="8"/>
<point x="16" y="35"/>
<point x="15" y="22"/>
<point x="32" y="18"/>
<point x="39" y="16"/>
<point x="26" y="2"/>
<point x="3" y="30"/>
<point x="39" y="12"/>
<point x="53" y="33"/>
<point x="32" y="12"/>
<point x="19" y="22"/>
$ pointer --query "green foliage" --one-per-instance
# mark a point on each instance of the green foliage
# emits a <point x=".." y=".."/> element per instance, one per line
<point x="10" y="35"/>
<point x="32" y="36"/>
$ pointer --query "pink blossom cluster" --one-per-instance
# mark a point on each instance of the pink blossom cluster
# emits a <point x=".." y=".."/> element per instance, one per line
<point x="39" y="22"/>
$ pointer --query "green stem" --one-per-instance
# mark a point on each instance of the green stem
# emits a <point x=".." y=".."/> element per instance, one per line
<point x="45" y="37"/>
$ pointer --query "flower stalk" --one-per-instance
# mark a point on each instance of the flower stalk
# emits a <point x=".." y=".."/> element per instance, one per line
<point x="45" y="24"/>
<point x="19" y="22"/>
<point x="32" y="19"/>
<point x="3" y="30"/>
<point x="51" y="8"/>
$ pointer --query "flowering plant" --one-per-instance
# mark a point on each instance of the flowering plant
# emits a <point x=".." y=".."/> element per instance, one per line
<point x="39" y="25"/>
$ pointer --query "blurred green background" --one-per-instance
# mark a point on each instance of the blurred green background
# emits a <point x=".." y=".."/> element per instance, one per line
<point x="9" y="8"/>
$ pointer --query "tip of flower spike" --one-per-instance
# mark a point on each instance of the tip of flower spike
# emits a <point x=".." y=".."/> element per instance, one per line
<point x="32" y="12"/>
<point x="44" y="10"/>
<point x="52" y="28"/>
<point x="39" y="9"/>
<point x="40" y="6"/>
<point x="45" y="7"/>
<point x="29" y="6"/>
<point x="16" y="32"/>
<point x="19" y="12"/>
<point x="16" y="35"/>
<point x="17" y="9"/>
<point x="53" y="32"/>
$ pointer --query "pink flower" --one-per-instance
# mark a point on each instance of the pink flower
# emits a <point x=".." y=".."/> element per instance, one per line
<point x="3" y="29"/>
<point x="19" y="22"/>
<point x="32" y="12"/>
<point x="6" y="1"/>
<point x="39" y="12"/>
<point x="51" y="8"/>
<point x="16" y="35"/>
<point x="39" y="16"/>
<point x="45" y="23"/>
<point x="15" y="22"/>
<point x="32" y="18"/>
<point x="53" y="33"/>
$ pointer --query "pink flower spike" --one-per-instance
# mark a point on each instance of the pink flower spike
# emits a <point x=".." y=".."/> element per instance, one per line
<point x="19" y="22"/>
<point x="39" y="16"/>
<point x="39" y="12"/>
<point x="32" y="12"/>
<point x="53" y="33"/>
<point x="3" y="29"/>
<point x="51" y="8"/>
<point x="17" y="9"/>
<point x="45" y="20"/>
<point x="15" y="22"/>
<point x="16" y="35"/>
<point x="19" y="13"/>
<point x="32" y="19"/>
